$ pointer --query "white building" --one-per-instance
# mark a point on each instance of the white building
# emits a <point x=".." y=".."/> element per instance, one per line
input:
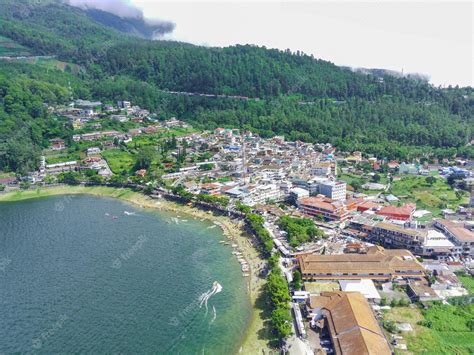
<point x="93" y="151"/>
<point x="335" y="190"/>
<point x="324" y="168"/>
<point x="261" y="194"/>
<point x="297" y="192"/>
<point x="124" y="104"/>
<point x="61" y="167"/>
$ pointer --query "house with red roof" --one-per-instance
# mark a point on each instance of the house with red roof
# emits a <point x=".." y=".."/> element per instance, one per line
<point x="402" y="213"/>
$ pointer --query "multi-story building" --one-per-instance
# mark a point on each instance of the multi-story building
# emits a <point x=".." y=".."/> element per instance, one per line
<point x="324" y="168"/>
<point x="423" y="242"/>
<point x="61" y="167"/>
<point x="395" y="236"/>
<point x="324" y="207"/>
<point x="258" y="194"/>
<point x="335" y="190"/>
<point x="459" y="234"/>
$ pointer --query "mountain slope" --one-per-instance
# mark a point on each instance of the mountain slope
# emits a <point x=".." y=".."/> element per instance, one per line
<point x="300" y="96"/>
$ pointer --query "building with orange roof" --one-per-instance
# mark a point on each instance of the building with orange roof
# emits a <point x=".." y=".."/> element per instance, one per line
<point x="377" y="264"/>
<point x="402" y="213"/>
<point x="351" y="324"/>
<point x="367" y="205"/>
<point x="324" y="207"/>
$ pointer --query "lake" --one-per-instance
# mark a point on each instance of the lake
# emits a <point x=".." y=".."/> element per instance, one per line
<point x="80" y="274"/>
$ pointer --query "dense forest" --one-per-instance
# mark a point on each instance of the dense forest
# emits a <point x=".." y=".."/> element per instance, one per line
<point x="289" y="93"/>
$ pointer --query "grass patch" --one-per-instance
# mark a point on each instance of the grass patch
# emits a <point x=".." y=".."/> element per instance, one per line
<point x="442" y="329"/>
<point x="119" y="160"/>
<point x="433" y="198"/>
<point x="62" y="157"/>
<point x="468" y="282"/>
<point x="318" y="287"/>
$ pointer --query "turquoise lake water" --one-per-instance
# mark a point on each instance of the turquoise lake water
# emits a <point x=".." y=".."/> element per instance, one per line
<point x="78" y="275"/>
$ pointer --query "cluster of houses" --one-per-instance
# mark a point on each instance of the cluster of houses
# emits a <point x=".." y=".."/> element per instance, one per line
<point x="273" y="170"/>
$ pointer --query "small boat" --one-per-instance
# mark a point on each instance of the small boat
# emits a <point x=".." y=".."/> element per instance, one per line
<point x="234" y="245"/>
<point x="245" y="275"/>
<point x="114" y="217"/>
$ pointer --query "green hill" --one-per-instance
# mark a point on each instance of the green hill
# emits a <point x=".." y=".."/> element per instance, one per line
<point x="299" y="96"/>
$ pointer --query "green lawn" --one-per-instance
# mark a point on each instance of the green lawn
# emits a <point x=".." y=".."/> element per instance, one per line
<point x="61" y="157"/>
<point x="468" y="282"/>
<point x="119" y="160"/>
<point x="6" y="175"/>
<point x="433" y="198"/>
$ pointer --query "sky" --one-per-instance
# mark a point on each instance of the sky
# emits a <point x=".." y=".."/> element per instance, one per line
<point x="435" y="38"/>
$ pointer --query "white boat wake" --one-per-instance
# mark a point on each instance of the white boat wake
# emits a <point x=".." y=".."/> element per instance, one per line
<point x="216" y="288"/>
<point x="215" y="314"/>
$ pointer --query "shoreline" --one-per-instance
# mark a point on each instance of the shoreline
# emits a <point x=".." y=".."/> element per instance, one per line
<point x="232" y="231"/>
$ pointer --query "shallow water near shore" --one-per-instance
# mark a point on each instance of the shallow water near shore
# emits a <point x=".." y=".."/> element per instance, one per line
<point x="78" y="274"/>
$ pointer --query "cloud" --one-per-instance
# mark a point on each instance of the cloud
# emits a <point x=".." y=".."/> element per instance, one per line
<point x="121" y="8"/>
<point x="126" y="10"/>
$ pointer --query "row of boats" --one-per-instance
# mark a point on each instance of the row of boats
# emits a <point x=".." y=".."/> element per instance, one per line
<point x="243" y="263"/>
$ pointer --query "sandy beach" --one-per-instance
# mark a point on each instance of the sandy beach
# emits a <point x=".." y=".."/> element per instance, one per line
<point x="232" y="230"/>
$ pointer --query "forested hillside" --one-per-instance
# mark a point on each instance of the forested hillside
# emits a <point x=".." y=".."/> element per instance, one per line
<point x="298" y="95"/>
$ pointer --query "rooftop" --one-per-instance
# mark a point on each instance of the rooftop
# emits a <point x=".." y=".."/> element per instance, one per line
<point x="353" y="327"/>
<point x="376" y="261"/>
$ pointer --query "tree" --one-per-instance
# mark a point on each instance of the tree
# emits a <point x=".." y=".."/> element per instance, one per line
<point x="281" y="322"/>
<point x="356" y="185"/>
<point x="206" y="167"/>
<point x="297" y="280"/>
<point x="391" y="326"/>
<point x="145" y="157"/>
<point x="376" y="178"/>
<point x="430" y="180"/>
<point x="243" y="208"/>
<point x="70" y="178"/>
<point x="2" y="187"/>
